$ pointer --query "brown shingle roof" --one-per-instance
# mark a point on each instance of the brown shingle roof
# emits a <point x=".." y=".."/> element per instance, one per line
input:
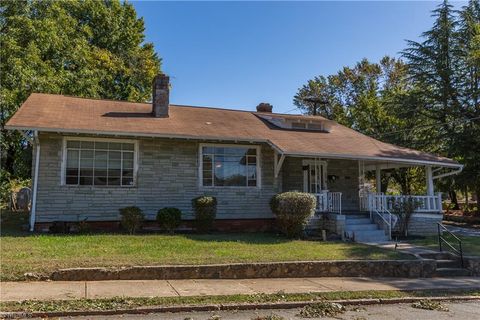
<point x="58" y="113"/>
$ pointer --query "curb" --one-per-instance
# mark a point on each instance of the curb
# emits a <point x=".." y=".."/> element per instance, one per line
<point x="226" y="307"/>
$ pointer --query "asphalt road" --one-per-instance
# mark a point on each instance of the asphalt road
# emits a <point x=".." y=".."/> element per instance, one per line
<point x="457" y="310"/>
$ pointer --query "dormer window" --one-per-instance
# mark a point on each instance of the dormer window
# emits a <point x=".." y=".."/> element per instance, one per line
<point x="315" y="126"/>
<point x="296" y="122"/>
<point x="299" y="125"/>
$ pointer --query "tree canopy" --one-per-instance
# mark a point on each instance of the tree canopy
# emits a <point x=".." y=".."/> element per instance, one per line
<point x="429" y="99"/>
<point x="84" y="48"/>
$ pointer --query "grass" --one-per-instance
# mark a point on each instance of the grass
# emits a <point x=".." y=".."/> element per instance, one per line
<point x="470" y="244"/>
<point x="44" y="253"/>
<point x="132" y="303"/>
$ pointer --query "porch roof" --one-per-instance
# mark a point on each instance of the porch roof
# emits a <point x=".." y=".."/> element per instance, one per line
<point x="59" y="113"/>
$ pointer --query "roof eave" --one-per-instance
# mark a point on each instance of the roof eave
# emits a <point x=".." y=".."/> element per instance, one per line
<point x="253" y="140"/>
<point x="378" y="158"/>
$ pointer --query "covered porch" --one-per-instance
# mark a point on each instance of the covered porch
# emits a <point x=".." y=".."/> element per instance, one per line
<point x="342" y="188"/>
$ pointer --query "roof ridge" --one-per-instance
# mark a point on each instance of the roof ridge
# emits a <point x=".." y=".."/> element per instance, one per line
<point x="172" y="104"/>
<point x="86" y="98"/>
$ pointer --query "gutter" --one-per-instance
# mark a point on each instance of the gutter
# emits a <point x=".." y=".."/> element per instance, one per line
<point x="36" y="144"/>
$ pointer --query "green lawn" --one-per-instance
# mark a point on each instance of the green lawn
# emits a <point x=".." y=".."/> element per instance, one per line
<point x="470" y="245"/>
<point x="45" y="253"/>
<point x="23" y="252"/>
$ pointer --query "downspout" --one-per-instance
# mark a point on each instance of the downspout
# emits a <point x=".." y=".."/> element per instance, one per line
<point x="448" y="173"/>
<point x="36" y="144"/>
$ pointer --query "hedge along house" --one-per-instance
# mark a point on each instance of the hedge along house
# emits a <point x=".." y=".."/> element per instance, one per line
<point x="92" y="157"/>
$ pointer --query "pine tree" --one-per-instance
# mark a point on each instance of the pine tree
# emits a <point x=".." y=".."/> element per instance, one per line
<point x="468" y="74"/>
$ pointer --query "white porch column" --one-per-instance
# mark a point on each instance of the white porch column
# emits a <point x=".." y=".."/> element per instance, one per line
<point x="429" y="177"/>
<point x="378" y="176"/>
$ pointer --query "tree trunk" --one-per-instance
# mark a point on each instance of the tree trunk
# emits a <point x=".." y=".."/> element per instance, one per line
<point x="385" y="180"/>
<point x="465" y="192"/>
<point x="453" y="199"/>
<point x="477" y="195"/>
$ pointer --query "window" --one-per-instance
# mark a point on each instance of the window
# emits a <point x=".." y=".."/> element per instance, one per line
<point x="309" y="126"/>
<point x="298" y="125"/>
<point x="99" y="163"/>
<point x="229" y="166"/>
<point x="315" y="126"/>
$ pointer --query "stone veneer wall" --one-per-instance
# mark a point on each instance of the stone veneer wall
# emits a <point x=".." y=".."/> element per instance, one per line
<point x="340" y="268"/>
<point x="167" y="176"/>
<point x="424" y="223"/>
<point x="420" y="223"/>
<point x="346" y="182"/>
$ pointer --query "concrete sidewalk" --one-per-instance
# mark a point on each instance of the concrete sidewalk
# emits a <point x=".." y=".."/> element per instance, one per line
<point x="65" y="290"/>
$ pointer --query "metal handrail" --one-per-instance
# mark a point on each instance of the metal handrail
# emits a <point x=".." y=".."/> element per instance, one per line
<point x="458" y="251"/>
<point x="374" y="208"/>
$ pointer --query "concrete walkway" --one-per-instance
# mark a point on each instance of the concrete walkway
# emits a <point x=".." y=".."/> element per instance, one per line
<point x="402" y="247"/>
<point x="64" y="290"/>
<point x="467" y="232"/>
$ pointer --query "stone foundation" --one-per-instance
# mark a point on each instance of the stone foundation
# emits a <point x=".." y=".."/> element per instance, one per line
<point x="420" y="223"/>
<point x="424" y="224"/>
<point x="345" y="268"/>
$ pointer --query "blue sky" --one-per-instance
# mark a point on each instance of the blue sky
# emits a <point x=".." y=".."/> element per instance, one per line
<point x="235" y="55"/>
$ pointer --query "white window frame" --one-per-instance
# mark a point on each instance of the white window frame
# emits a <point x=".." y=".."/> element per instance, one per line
<point x="89" y="139"/>
<point x="221" y="145"/>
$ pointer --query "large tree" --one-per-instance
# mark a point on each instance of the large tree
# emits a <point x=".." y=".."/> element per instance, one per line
<point x="83" y="48"/>
<point x="370" y="98"/>
<point x="361" y="97"/>
<point x="468" y="74"/>
<point x="445" y="67"/>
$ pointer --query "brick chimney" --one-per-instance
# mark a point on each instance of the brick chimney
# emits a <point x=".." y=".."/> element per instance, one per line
<point x="161" y="96"/>
<point x="264" y="107"/>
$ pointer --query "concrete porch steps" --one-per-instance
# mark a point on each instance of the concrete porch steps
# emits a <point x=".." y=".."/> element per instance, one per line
<point x="361" y="229"/>
<point x="358" y="227"/>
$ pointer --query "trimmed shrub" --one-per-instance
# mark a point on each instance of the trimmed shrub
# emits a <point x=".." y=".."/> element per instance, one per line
<point x="293" y="209"/>
<point x="205" y="209"/>
<point x="132" y="218"/>
<point x="169" y="219"/>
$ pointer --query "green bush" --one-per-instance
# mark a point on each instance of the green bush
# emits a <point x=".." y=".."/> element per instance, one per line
<point x="132" y="218"/>
<point x="169" y="219"/>
<point x="205" y="209"/>
<point x="293" y="209"/>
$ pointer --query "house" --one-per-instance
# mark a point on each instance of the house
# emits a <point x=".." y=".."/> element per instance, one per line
<point x="92" y="157"/>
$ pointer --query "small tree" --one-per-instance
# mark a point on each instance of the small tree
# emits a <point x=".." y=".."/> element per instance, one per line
<point x="205" y="209"/>
<point x="169" y="219"/>
<point x="132" y="218"/>
<point x="404" y="209"/>
<point x="293" y="209"/>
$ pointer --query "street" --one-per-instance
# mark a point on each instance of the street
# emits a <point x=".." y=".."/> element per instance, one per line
<point x="457" y="310"/>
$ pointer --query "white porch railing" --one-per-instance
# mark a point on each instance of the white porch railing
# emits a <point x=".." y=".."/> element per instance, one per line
<point x="427" y="204"/>
<point x="329" y="202"/>
<point x="381" y="205"/>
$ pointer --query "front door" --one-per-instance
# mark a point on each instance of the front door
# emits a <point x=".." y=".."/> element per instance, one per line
<point x="314" y="176"/>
